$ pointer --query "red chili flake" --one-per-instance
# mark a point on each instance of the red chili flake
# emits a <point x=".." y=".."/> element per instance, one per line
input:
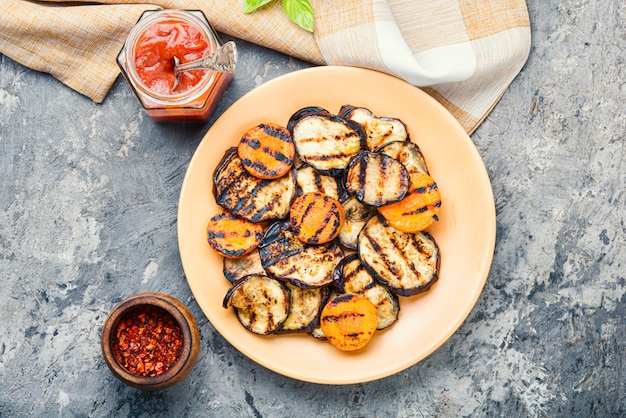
<point x="148" y="341"/>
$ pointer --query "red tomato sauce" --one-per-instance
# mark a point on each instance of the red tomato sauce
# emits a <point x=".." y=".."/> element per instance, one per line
<point x="155" y="52"/>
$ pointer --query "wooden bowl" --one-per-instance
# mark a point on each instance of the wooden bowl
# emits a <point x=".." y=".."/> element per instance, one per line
<point x="181" y="316"/>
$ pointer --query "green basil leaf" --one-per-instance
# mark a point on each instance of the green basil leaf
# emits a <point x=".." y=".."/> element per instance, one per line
<point x="250" y="6"/>
<point x="300" y="12"/>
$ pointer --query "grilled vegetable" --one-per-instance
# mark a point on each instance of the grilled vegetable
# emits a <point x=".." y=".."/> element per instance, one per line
<point x="316" y="218"/>
<point x="376" y="179"/>
<point x="348" y="321"/>
<point x="236" y="268"/>
<point x="288" y="259"/>
<point x="305" y="308"/>
<point x="306" y="111"/>
<point x="309" y="179"/>
<point x="352" y="277"/>
<point x="408" y="153"/>
<point x="407" y="263"/>
<point x="378" y="130"/>
<point x="419" y="208"/>
<point x="356" y="214"/>
<point x="232" y="236"/>
<point x="327" y="142"/>
<point x="267" y="151"/>
<point x="260" y="302"/>
<point x="249" y="197"/>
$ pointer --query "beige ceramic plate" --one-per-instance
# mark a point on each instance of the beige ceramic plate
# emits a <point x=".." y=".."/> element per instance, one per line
<point x="465" y="232"/>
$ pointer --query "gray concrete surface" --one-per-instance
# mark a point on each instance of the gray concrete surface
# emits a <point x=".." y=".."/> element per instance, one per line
<point x="88" y="198"/>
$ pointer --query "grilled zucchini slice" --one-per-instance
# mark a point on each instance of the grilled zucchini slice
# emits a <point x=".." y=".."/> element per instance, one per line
<point x="376" y="179"/>
<point x="408" y="263"/>
<point x="378" y="129"/>
<point x="408" y="153"/>
<point x="309" y="180"/>
<point x="352" y="277"/>
<point x="236" y="268"/>
<point x="287" y="258"/>
<point x="260" y="302"/>
<point x="305" y="308"/>
<point x="327" y="142"/>
<point x="249" y="197"/>
<point x="356" y="215"/>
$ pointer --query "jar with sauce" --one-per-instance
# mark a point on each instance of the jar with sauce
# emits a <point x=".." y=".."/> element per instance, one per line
<point x="147" y="63"/>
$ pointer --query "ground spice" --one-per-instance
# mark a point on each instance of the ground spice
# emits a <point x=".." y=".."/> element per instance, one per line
<point x="148" y="341"/>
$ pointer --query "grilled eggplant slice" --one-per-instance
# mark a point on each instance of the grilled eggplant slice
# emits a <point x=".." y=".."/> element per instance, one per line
<point x="406" y="262"/>
<point x="356" y="215"/>
<point x="378" y="129"/>
<point x="408" y="153"/>
<point x="309" y="179"/>
<point x="305" y="308"/>
<point x="327" y="142"/>
<point x="233" y="236"/>
<point x="376" y="179"/>
<point x="260" y="302"/>
<point x="288" y="259"/>
<point x="352" y="277"/>
<point x="236" y="268"/>
<point x="249" y="197"/>
<point x="306" y="111"/>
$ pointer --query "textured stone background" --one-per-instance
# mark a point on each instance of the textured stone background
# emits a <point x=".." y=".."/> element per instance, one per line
<point x="88" y="201"/>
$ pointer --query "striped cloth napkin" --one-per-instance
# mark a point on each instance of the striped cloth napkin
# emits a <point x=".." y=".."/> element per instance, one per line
<point x="463" y="53"/>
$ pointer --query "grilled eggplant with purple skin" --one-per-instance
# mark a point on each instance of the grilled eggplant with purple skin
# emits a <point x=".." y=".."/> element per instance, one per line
<point x="376" y="179"/>
<point x="327" y="142"/>
<point x="309" y="179"/>
<point x="236" y="268"/>
<point x="378" y="129"/>
<point x="288" y="259"/>
<point x="304" y="309"/>
<point x="306" y="111"/>
<point x="408" y="263"/>
<point x="356" y="215"/>
<point x="260" y="302"/>
<point x="351" y="276"/>
<point x="249" y="197"/>
<point x="408" y="153"/>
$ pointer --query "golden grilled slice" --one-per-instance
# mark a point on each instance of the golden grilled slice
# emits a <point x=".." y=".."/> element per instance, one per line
<point x="406" y="262"/>
<point x="356" y="215"/>
<point x="288" y="259"/>
<point x="260" y="302"/>
<point x="305" y="308"/>
<point x="250" y="197"/>
<point x="409" y="154"/>
<point x="309" y="179"/>
<point x="236" y="268"/>
<point x="316" y="218"/>
<point x="327" y="142"/>
<point x="352" y="277"/>
<point x="267" y="150"/>
<point x="376" y="179"/>
<point x="378" y="129"/>
<point x="233" y="236"/>
<point x="349" y="321"/>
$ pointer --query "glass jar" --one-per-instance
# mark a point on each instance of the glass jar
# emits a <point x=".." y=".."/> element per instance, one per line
<point x="199" y="101"/>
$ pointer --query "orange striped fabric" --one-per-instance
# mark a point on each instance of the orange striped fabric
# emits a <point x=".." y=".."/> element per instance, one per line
<point x="465" y="54"/>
